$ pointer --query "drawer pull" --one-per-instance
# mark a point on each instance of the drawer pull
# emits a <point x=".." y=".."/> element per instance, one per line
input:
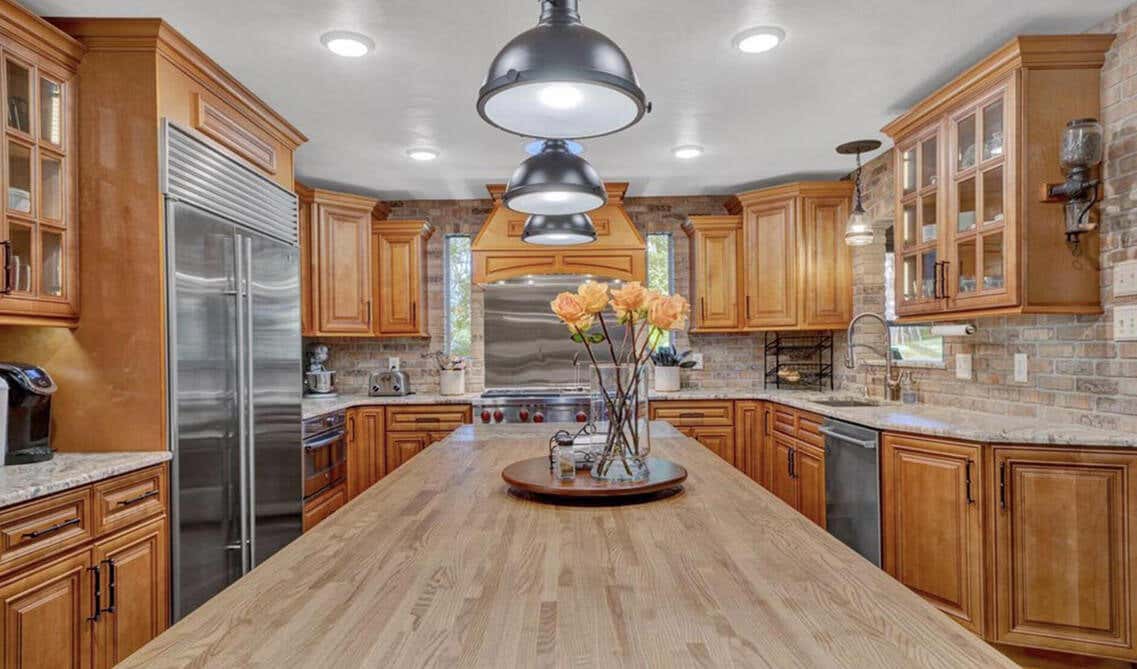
<point x="690" y="415"/>
<point x="427" y="419"/>
<point x="53" y="528"/>
<point x="135" y="500"/>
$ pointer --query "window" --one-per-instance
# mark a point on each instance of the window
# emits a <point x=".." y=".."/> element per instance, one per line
<point x="661" y="270"/>
<point x="456" y="296"/>
<point x="910" y="343"/>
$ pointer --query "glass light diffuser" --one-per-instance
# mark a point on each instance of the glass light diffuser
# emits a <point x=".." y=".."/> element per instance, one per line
<point x="858" y="229"/>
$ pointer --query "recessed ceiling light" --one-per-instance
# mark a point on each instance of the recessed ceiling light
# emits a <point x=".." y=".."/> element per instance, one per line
<point x="421" y="154"/>
<point x="347" y="44"/>
<point x="687" y="151"/>
<point x="758" y="40"/>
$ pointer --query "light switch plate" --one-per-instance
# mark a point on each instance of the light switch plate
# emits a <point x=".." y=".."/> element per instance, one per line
<point x="1020" y="368"/>
<point x="963" y="366"/>
<point x="393" y="363"/>
<point x="698" y="358"/>
<point x="1125" y="278"/>
<point x="1125" y="323"/>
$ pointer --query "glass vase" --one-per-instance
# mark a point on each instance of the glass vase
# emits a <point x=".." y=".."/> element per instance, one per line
<point x="620" y="414"/>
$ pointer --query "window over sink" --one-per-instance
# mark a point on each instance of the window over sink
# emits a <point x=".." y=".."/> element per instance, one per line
<point x="913" y="344"/>
<point x="456" y="296"/>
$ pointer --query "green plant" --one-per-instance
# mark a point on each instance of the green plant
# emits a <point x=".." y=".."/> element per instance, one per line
<point x="667" y="356"/>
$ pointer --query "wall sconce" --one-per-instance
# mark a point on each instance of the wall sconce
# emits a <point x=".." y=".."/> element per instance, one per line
<point x="1081" y="151"/>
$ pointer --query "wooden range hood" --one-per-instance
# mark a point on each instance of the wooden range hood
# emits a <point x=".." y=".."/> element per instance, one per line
<point x="617" y="253"/>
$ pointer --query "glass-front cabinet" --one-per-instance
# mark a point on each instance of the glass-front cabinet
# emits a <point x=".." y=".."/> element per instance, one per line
<point x="38" y="237"/>
<point x="920" y="205"/>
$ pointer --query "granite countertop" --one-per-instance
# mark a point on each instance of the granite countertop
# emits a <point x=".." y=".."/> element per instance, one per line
<point x="20" y="483"/>
<point x="438" y="564"/>
<point x="317" y="407"/>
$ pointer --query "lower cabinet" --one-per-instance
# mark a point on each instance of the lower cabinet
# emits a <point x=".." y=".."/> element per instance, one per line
<point x="90" y="606"/>
<point x="797" y="476"/>
<point x="749" y="435"/>
<point x="411" y="428"/>
<point x="366" y="446"/>
<point x="323" y="505"/>
<point x="1065" y="548"/>
<point x="719" y="440"/>
<point x="931" y="521"/>
<point x="402" y="446"/>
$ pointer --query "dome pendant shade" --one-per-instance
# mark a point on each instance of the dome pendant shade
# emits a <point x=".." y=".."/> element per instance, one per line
<point x="555" y="182"/>
<point x="858" y="229"/>
<point x="561" y="80"/>
<point x="559" y="230"/>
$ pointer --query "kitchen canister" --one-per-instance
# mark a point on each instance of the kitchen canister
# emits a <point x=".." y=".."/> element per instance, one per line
<point x="666" y="379"/>
<point x="452" y="382"/>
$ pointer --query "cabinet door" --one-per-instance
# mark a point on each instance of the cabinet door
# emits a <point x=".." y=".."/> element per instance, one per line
<point x="768" y="461"/>
<point x="827" y="272"/>
<point x="1064" y="543"/>
<point x="323" y="505"/>
<point x="135" y="585"/>
<point x="45" y="613"/>
<point x="398" y="264"/>
<point x="402" y="446"/>
<point x="782" y="482"/>
<point x="749" y="427"/>
<point x="344" y="267"/>
<point x="365" y="448"/>
<point x="720" y="440"/>
<point x="920" y="270"/>
<point x="932" y="529"/>
<point x="716" y="279"/>
<point x="809" y="470"/>
<point x="769" y="237"/>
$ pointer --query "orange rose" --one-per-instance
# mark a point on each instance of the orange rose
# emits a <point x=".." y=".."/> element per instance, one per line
<point x="629" y="300"/>
<point x="669" y="312"/>
<point x="593" y="296"/>
<point x="568" y="308"/>
<point x="583" y="325"/>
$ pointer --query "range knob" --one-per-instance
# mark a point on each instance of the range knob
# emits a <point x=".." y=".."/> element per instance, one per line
<point x="581" y="417"/>
<point x="485" y="415"/>
<point x="538" y="417"/>
<point x="523" y="415"/>
<point x="498" y="416"/>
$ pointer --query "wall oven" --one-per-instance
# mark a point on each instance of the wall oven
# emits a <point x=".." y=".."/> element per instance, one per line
<point x="325" y="453"/>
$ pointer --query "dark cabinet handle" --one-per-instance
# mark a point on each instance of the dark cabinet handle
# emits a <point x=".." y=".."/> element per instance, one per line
<point x="135" y="500"/>
<point x="944" y="274"/>
<point x="690" y="415"/>
<point x="747" y="307"/>
<point x="53" y="528"/>
<point x="414" y="312"/>
<point x="1003" y="485"/>
<point x="702" y="309"/>
<point x="9" y="280"/>
<point x="967" y="475"/>
<point x="96" y="595"/>
<point x="111" y="573"/>
<point x="940" y="281"/>
<point x="791" y="462"/>
<point x="427" y="419"/>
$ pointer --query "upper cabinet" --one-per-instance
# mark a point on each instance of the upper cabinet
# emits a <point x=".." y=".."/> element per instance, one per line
<point x="972" y="235"/>
<point x="362" y="275"/>
<point x="39" y="282"/>
<point x="778" y="262"/>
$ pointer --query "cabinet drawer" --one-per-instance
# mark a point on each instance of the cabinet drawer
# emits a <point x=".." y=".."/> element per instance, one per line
<point x="427" y="418"/>
<point x="319" y="508"/>
<point x="131" y="498"/>
<point x="809" y="429"/>
<point x="35" y="530"/>
<point x="784" y="420"/>
<point x="697" y="414"/>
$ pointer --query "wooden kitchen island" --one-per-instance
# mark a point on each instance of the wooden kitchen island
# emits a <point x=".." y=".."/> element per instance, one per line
<point x="438" y="565"/>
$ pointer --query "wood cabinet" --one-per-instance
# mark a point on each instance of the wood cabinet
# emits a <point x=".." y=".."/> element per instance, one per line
<point x="931" y="520"/>
<point x="972" y="235"/>
<point x="749" y="438"/>
<point x="413" y="427"/>
<point x="398" y="251"/>
<point x="323" y="505"/>
<point x="794" y="459"/>
<point x="778" y="262"/>
<point x="1064" y="546"/>
<point x="39" y="233"/>
<point x="402" y="446"/>
<point x="366" y="445"/>
<point x="709" y="422"/>
<point x="88" y="599"/>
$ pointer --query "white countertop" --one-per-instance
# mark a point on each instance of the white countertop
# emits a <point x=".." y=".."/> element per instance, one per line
<point x="20" y="483"/>
<point x="922" y="419"/>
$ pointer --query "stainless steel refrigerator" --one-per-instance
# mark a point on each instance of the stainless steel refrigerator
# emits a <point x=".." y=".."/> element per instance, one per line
<point x="233" y="310"/>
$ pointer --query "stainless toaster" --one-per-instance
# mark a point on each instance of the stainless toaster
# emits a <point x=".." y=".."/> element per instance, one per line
<point x="386" y="384"/>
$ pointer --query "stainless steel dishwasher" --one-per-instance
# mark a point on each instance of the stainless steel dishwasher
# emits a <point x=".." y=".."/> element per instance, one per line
<point x="852" y="486"/>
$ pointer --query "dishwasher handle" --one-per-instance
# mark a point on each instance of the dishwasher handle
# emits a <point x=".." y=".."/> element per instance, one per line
<point x="845" y="438"/>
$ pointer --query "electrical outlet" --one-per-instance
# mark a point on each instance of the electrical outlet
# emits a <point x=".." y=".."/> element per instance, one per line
<point x="1125" y="323"/>
<point x="393" y="363"/>
<point x="698" y="358"/>
<point x="1125" y="278"/>
<point x="1020" y="368"/>
<point x="963" y="366"/>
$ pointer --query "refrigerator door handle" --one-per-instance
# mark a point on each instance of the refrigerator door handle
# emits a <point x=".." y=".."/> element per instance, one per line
<point x="242" y="400"/>
<point x="251" y="433"/>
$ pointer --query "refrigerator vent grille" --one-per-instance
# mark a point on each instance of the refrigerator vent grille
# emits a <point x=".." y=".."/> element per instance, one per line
<point x="198" y="174"/>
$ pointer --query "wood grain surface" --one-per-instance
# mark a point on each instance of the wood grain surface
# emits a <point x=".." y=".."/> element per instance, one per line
<point x="438" y="565"/>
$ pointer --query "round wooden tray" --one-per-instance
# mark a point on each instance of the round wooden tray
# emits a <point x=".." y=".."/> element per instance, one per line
<point x="534" y="477"/>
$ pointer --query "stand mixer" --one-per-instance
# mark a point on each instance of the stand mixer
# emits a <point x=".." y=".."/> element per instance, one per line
<point x="319" y="381"/>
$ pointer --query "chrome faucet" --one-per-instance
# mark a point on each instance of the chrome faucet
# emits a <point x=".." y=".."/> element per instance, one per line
<point x="891" y="385"/>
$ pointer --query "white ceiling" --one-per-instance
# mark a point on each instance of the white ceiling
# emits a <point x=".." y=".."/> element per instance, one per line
<point x="845" y="69"/>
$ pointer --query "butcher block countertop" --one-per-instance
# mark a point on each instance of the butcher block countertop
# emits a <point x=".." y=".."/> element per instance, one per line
<point x="438" y="565"/>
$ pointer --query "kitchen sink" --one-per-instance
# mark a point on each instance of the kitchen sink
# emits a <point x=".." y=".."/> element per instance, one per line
<point x="849" y="403"/>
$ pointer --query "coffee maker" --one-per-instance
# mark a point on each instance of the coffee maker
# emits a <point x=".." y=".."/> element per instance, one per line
<point x="26" y="415"/>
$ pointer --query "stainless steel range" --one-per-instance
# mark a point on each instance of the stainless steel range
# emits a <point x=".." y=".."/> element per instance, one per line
<point x="532" y="405"/>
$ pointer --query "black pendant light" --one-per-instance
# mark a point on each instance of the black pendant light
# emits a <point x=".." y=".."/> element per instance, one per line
<point x="561" y="80"/>
<point x="555" y="182"/>
<point x="565" y="230"/>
